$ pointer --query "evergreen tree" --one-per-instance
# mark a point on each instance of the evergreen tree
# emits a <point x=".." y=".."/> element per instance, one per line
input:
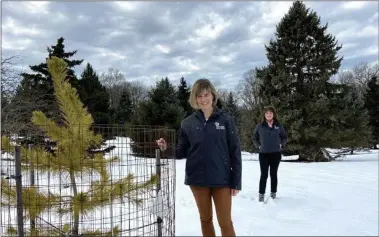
<point x="183" y="96"/>
<point x="302" y="59"/>
<point x="162" y="108"/>
<point x="73" y="156"/>
<point x="232" y="108"/>
<point x="94" y="96"/>
<point x="354" y="131"/>
<point x="372" y="106"/>
<point x="271" y="90"/>
<point x="39" y="82"/>
<point x="125" y="108"/>
<point x="220" y="103"/>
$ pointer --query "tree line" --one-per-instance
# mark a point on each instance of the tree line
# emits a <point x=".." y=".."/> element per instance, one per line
<point x="319" y="105"/>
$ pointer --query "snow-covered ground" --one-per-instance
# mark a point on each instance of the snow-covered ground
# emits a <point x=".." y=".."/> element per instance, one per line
<point x="132" y="220"/>
<point x="337" y="198"/>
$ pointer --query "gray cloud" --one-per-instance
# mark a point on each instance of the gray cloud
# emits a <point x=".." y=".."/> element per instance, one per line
<point x="151" y="40"/>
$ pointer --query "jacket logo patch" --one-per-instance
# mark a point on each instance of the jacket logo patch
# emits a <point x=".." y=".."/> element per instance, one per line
<point x="218" y="127"/>
<point x="276" y="127"/>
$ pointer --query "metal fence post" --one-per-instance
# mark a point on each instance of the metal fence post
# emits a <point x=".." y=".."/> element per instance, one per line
<point x="20" y="212"/>
<point x="158" y="168"/>
<point x="32" y="182"/>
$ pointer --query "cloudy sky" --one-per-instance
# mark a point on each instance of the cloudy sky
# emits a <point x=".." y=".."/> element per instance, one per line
<point x="151" y="40"/>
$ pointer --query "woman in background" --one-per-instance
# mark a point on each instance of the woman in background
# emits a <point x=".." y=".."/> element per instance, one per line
<point x="270" y="138"/>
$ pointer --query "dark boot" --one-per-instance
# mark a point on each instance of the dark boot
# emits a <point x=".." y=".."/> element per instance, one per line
<point x="273" y="195"/>
<point x="261" y="197"/>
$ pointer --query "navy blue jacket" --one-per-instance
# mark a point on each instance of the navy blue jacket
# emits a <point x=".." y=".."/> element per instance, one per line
<point x="268" y="139"/>
<point x="212" y="149"/>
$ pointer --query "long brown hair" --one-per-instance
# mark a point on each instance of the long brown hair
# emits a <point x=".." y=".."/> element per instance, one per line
<point x="272" y="109"/>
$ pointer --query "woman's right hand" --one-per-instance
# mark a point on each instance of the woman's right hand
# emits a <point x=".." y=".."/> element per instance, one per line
<point x="162" y="144"/>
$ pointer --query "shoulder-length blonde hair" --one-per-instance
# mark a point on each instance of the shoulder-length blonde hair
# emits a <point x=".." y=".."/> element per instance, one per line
<point x="199" y="86"/>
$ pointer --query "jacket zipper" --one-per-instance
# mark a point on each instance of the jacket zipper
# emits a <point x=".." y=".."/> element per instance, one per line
<point x="206" y="147"/>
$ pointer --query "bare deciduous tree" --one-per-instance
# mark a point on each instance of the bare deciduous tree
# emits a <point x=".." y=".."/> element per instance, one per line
<point x="16" y="110"/>
<point x="111" y="79"/>
<point x="115" y="82"/>
<point x="248" y="87"/>
<point x="359" y="75"/>
<point x="223" y="94"/>
<point x="248" y="98"/>
<point x="10" y="78"/>
<point x="138" y="91"/>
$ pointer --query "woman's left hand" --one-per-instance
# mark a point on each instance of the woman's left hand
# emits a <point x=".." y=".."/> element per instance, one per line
<point x="234" y="192"/>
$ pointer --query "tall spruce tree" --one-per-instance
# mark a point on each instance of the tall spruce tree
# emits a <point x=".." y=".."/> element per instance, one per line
<point x="302" y="58"/>
<point x="220" y="104"/>
<point x="231" y="107"/>
<point x="234" y="110"/>
<point x="372" y="106"/>
<point x="94" y="95"/>
<point x="39" y="82"/>
<point x="183" y="96"/>
<point x="162" y="108"/>
<point x="125" y="109"/>
<point x="73" y="157"/>
<point x="354" y="131"/>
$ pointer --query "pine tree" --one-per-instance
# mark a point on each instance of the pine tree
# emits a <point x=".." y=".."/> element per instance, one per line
<point x="72" y="157"/>
<point x="372" y="106"/>
<point x="232" y="108"/>
<point x="353" y="121"/>
<point x="302" y="59"/>
<point x="183" y="96"/>
<point x="162" y="108"/>
<point x="40" y="84"/>
<point x="220" y="104"/>
<point x="94" y="95"/>
<point x="125" y="108"/>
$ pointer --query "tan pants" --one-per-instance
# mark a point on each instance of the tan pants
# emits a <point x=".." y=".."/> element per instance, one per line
<point x="222" y="199"/>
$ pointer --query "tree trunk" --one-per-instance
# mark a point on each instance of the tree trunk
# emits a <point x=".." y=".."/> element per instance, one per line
<point x="75" y="228"/>
<point x="314" y="154"/>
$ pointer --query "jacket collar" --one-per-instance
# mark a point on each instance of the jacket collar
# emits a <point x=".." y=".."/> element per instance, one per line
<point x="200" y="115"/>
<point x="275" y="123"/>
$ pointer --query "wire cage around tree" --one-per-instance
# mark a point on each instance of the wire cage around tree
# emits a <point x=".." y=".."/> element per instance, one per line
<point x="70" y="186"/>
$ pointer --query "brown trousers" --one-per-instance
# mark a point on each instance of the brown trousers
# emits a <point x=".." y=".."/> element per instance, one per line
<point x="222" y="199"/>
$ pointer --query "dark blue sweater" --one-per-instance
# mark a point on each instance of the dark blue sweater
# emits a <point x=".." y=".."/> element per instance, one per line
<point x="212" y="149"/>
<point x="268" y="139"/>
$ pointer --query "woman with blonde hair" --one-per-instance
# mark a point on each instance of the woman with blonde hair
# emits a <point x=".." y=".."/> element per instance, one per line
<point x="209" y="140"/>
<point x="270" y="138"/>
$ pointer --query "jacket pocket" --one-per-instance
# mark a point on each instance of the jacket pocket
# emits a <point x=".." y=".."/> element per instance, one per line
<point x="193" y="166"/>
<point x="223" y="169"/>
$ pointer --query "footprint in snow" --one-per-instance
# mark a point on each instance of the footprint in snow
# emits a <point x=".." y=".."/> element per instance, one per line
<point x="248" y="197"/>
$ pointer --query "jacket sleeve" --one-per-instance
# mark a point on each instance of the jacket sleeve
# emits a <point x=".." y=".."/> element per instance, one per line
<point x="255" y="138"/>
<point x="181" y="149"/>
<point x="235" y="155"/>
<point x="283" y="136"/>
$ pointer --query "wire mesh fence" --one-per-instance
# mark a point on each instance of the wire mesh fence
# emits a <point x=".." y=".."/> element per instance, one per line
<point x="84" y="185"/>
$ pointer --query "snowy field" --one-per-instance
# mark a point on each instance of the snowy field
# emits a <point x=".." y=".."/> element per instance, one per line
<point x="338" y="198"/>
<point x="132" y="220"/>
